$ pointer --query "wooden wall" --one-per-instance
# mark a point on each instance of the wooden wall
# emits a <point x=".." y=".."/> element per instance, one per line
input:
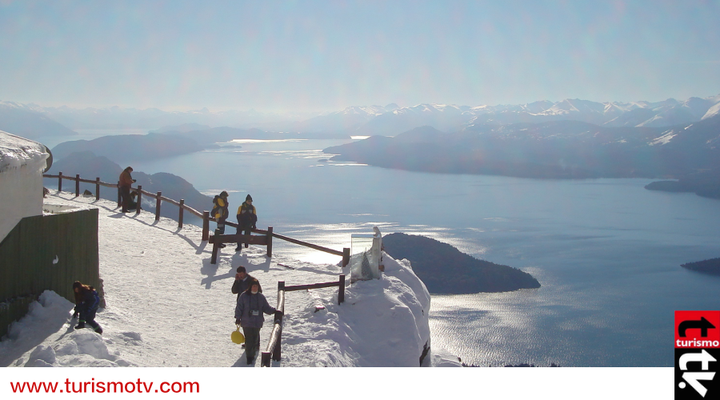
<point x="47" y="252"/>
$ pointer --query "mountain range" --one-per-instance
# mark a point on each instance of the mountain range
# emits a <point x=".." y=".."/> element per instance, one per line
<point x="391" y="120"/>
<point x="34" y="121"/>
<point x="557" y="149"/>
<point x="572" y="138"/>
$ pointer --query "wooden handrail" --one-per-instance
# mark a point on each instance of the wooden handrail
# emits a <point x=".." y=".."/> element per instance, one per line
<point x="313" y="246"/>
<point x="158" y="197"/>
<point x="274" y="347"/>
<point x="345" y="254"/>
<point x="311" y="286"/>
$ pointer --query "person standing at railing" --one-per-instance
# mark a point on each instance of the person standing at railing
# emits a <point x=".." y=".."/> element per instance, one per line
<point x="132" y="206"/>
<point x="249" y="315"/>
<point x="247" y="219"/>
<point x="125" y="182"/>
<point x="220" y="212"/>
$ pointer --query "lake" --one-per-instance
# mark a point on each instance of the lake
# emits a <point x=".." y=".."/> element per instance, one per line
<point x="606" y="251"/>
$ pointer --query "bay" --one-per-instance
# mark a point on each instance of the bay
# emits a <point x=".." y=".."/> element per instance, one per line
<point x="606" y="251"/>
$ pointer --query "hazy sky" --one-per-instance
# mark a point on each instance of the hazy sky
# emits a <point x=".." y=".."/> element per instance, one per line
<point x="327" y="55"/>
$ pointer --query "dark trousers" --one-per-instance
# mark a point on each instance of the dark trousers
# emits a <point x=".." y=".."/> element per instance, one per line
<point x="220" y="230"/>
<point x="88" y="317"/>
<point x="245" y="230"/>
<point x="125" y="197"/>
<point x="252" y="343"/>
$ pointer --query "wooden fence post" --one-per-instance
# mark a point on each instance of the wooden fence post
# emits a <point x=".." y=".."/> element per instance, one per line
<point x="206" y="225"/>
<point x="264" y="359"/>
<point x="59" y="182"/>
<point x="274" y="349"/>
<point x="157" y="206"/>
<point x="277" y="352"/>
<point x="216" y="248"/>
<point x="180" y="217"/>
<point x="346" y="257"/>
<point x="139" y="199"/>
<point x="77" y="185"/>
<point x="97" y="188"/>
<point x="269" y="241"/>
<point x="341" y="292"/>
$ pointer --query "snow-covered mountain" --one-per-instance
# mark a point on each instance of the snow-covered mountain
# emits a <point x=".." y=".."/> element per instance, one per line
<point x="30" y="121"/>
<point x="449" y="118"/>
<point x="386" y="120"/>
<point x="712" y="111"/>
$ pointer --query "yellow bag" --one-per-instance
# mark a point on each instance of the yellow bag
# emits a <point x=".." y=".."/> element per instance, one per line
<point x="237" y="337"/>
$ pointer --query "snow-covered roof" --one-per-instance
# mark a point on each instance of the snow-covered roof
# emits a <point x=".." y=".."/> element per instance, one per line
<point x="16" y="151"/>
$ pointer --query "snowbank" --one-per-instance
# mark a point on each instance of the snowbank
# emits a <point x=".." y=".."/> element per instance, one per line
<point x="65" y="347"/>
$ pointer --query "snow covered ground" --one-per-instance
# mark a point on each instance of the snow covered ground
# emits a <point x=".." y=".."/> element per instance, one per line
<point x="168" y="306"/>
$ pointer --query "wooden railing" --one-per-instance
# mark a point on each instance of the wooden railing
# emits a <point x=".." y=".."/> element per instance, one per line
<point x="273" y="350"/>
<point x="159" y="198"/>
<point x="264" y="240"/>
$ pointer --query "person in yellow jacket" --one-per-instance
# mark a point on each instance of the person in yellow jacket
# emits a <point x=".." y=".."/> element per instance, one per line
<point x="220" y="212"/>
<point x="247" y="218"/>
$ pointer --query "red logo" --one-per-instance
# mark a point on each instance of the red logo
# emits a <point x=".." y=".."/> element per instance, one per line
<point x="697" y="329"/>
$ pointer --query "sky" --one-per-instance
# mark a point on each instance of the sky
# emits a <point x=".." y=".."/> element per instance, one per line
<point x="304" y="56"/>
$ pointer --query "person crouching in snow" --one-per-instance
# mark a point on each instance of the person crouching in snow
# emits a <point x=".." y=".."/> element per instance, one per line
<point x="87" y="302"/>
<point x="251" y="304"/>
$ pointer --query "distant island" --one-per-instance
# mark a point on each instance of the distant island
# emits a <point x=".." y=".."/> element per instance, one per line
<point x="170" y="143"/>
<point x="131" y="147"/>
<point x="446" y="270"/>
<point x="705" y="184"/>
<point x="711" y="266"/>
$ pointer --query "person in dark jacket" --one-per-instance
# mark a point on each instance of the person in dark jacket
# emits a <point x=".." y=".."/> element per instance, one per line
<point x="247" y="219"/>
<point x="124" y="183"/>
<point x="132" y="205"/>
<point x="220" y="212"/>
<point x="242" y="281"/>
<point x="87" y="302"/>
<point x="251" y="304"/>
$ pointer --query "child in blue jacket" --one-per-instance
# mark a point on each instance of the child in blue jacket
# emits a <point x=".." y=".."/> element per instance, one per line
<point x="87" y="301"/>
